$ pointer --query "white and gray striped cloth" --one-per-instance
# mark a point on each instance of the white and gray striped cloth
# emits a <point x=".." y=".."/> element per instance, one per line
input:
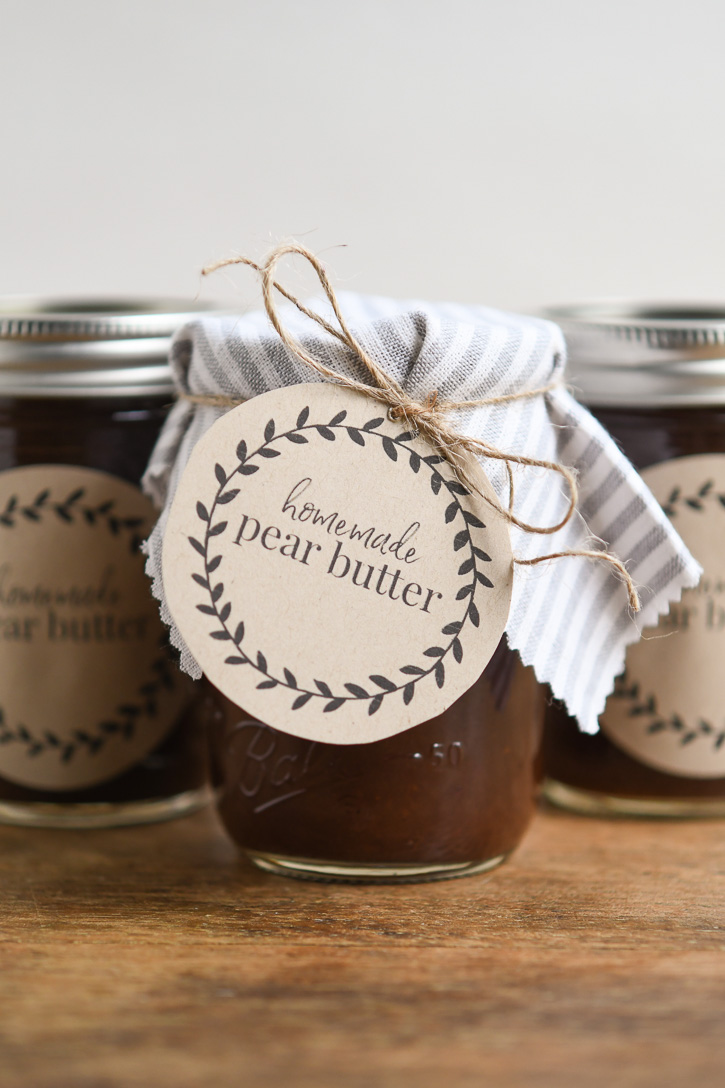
<point x="569" y="618"/>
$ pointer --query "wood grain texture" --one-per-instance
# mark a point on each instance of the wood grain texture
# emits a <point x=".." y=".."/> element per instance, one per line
<point x="158" y="957"/>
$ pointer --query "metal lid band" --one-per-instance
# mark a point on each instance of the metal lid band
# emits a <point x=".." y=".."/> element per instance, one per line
<point x="645" y="354"/>
<point x="88" y="347"/>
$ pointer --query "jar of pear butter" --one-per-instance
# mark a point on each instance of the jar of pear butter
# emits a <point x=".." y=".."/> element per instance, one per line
<point x="97" y="725"/>
<point x="374" y="720"/>
<point x="654" y="375"/>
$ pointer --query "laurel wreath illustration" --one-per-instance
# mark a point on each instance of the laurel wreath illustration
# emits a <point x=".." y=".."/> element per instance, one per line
<point x="125" y="717"/>
<point x="70" y="510"/>
<point x="697" y="501"/>
<point x="232" y="629"/>
<point x="645" y="706"/>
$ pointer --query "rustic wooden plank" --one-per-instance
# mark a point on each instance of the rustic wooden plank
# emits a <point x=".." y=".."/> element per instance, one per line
<point x="157" y="957"/>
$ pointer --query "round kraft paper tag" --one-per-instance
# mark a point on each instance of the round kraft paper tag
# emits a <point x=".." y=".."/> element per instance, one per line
<point x="86" y="686"/>
<point x="328" y="570"/>
<point x="668" y="709"/>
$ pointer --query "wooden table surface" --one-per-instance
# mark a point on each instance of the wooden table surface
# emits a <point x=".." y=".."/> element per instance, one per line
<point x="158" y="957"/>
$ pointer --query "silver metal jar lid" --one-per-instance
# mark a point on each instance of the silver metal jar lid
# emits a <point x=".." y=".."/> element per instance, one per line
<point x="645" y="354"/>
<point x="61" y="347"/>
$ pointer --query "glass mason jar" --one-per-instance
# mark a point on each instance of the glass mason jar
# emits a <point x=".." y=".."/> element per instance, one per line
<point x="450" y="797"/>
<point x="654" y="376"/>
<point x="97" y="725"/>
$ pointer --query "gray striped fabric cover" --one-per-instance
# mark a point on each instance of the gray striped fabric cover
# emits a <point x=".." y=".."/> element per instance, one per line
<point x="569" y="618"/>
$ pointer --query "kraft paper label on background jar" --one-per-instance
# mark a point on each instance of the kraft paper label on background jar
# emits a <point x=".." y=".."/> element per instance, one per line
<point x="363" y="594"/>
<point x="668" y="709"/>
<point x="655" y="377"/>
<point x="97" y="724"/>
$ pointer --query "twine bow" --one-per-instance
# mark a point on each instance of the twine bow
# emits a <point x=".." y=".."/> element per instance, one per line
<point x="430" y="417"/>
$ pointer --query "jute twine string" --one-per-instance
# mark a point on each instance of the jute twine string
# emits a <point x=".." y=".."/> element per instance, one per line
<point x="429" y="417"/>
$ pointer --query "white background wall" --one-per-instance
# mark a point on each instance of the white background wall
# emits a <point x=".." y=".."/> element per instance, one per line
<point x="500" y="151"/>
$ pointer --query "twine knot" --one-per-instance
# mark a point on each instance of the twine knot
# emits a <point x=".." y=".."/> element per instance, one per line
<point x="420" y="415"/>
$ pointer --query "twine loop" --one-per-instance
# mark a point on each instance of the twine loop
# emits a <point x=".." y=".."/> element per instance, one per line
<point x="429" y="417"/>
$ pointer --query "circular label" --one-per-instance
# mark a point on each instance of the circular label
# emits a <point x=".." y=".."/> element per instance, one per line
<point x="329" y="571"/>
<point x="668" y="709"/>
<point x="86" y="685"/>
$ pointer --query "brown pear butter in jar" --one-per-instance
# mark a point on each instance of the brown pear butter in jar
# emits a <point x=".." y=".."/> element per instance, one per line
<point x="655" y="378"/>
<point x="97" y="725"/>
<point x="450" y="797"/>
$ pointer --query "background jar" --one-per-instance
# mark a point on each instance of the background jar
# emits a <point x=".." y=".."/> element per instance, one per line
<point x="450" y="797"/>
<point x="654" y="375"/>
<point x="97" y="726"/>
